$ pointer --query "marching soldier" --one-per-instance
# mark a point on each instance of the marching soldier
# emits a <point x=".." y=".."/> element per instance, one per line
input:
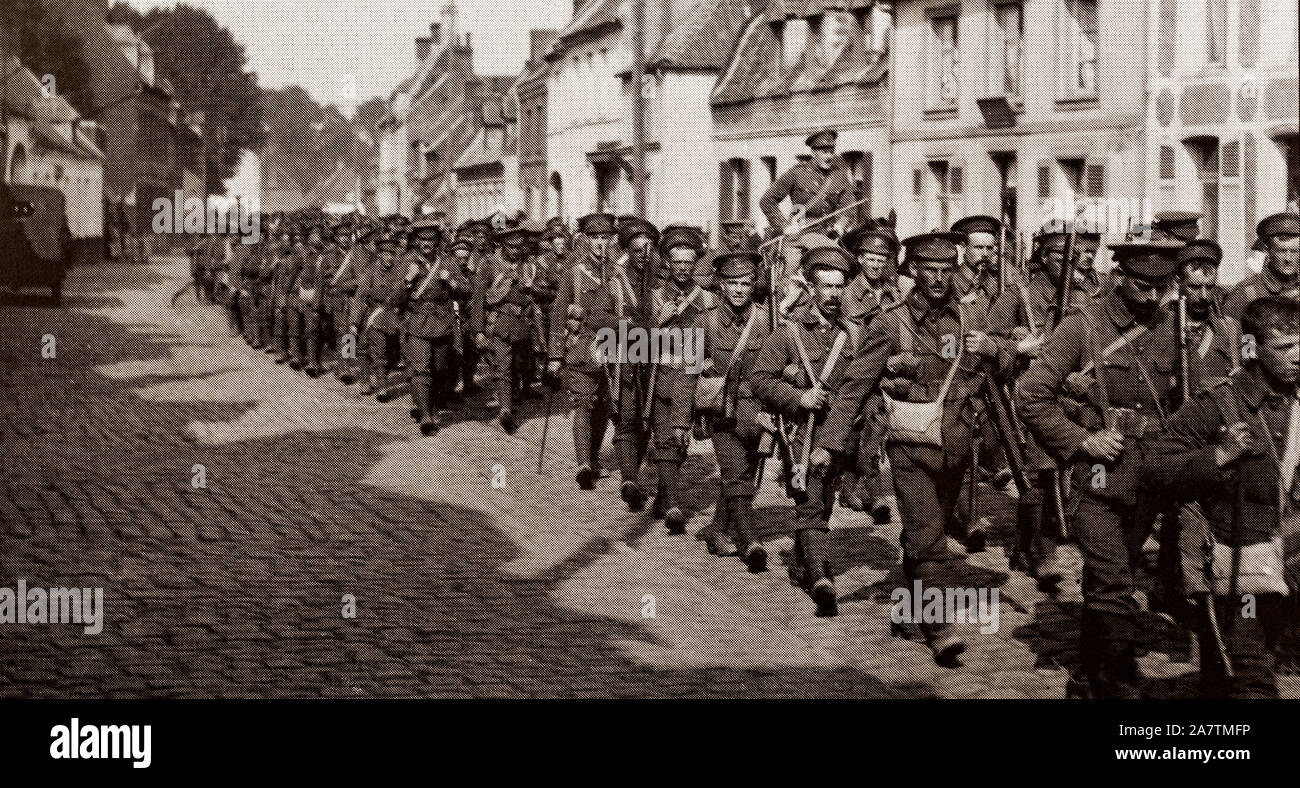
<point x="797" y="374"/>
<point x="978" y="271"/>
<point x="579" y="291"/>
<point x="816" y="188"/>
<point x="245" y="269"/>
<point x="430" y="284"/>
<point x="338" y="284"/>
<point x="1024" y="314"/>
<point x="676" y="304"/>
<point x="274" y="273"/>
<point x="504" y="321"/>
<point x="866" y="297"/>
<point x="1126" y="342"/>
<point x="936" y="350"/>
<point x="1213" y="339"/>
<point x="305" y="298"/>
<point x="1279" y="234"/>
<point x="375" y="310"/>
<point x="733" y="333"/>
<point x="365" y="255"/>
<point x="621" y="307"/>
<point x="1232" y="449"/>
<point x="466" y="355"/>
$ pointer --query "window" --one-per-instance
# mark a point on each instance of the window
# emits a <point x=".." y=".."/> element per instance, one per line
<point x="733" y="190"/>
<point x="859" y="163"/>
<point x="942" y="179"/>
<point x="769" y="163"/>
<point x="606" y="108"/>
<point x="1044" y="181"/>
<point x="1166" y="163"/>
<point x="1216" y="17"/>
<point x="941" y="82"/>
<point x="1290" y="147"/>
<point x="1007" y="50"/>
<point x="1081" y="49"/>
<point x="1204" y="152"/>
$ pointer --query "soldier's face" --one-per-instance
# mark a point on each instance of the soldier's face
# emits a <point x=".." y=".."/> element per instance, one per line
<point x="461" y="253"/>
<point x="599" y="244"/>
<point x="739" y="291"/>
<point x="873" y="265"/>
<point x="979" y="250"/>
<point x="682" y="264"/>
<point x="1087" y="255"/>
<point x="639" y="243"/>
<point x="559" y="244"/>
<point x="934" y="278"/>
<point x="734" y="237"/>
<point x="513" y="247"/>
<point x="426" y="246"/>
<point x="1284" y="255"/>
<point x="1279" y="355"/>
<point x="1143" y="295"/>
<point x="828" y="286"/>
<point x="822" y="155"/>
<point x="343" y="241"/>
<point x="1197" y="286"/>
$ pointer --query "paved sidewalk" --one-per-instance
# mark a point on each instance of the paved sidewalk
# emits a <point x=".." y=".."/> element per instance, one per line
<point x="473" y="576"/>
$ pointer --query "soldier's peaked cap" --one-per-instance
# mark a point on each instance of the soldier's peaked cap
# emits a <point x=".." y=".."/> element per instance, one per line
<point x="681" y="235"/>
<point x="830" y="256"/>
<point x="1200" y="249"/>
<point x="426" y="228"/>
<point x="389" y="243"/>
<point x="733" y="265"/>
<point x="977" y="224"/>
<point x="511" y="230"/>
<point x="936" y="246"/>
<point x="1182" y="225"/>
<point x="597" y="224"/>
<point x="870" y="239"/>
<point x="823" y="137"/>
<point x="1154" y="260"/>
<point x="1279" y="224"/>
<point x="634" y="227"/>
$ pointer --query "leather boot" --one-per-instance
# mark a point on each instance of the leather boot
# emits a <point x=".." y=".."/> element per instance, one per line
<point x="740" y="512"/>
<point x="674" y="517"/>
<point x="811" y="544"/>
<point x="312" y="367"/>
<point x="849" y="497"/>
<point x="420" y="394"/>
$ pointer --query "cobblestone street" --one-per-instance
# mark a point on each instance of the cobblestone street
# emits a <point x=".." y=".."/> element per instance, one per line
<point x="462" y="589"/>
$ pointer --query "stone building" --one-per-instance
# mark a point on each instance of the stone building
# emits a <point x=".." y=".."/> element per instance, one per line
<point x="797" y="68"/>
<point x="1222" y="117"/>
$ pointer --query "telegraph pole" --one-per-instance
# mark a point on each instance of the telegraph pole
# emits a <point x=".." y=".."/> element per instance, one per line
<point x="638" y="106"/>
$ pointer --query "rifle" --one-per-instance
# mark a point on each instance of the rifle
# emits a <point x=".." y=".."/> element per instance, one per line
<point x="1184" y="370"/>
<point x="1004" y="428"/>
<point x="347" y="263"/>
<point x="771" y="441"/>
<point x="546" y="424"/>
<point x="1064" y="282"/>
<point x="428" y="279"/>
<point x="803" y="229"/>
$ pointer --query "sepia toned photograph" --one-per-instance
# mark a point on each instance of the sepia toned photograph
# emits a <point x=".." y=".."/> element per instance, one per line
<point x="627" y="350"/>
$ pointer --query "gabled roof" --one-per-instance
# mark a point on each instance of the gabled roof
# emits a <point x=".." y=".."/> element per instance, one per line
<point x="595" y="14"/>
<point x="479" y="152"/>
<point x="803" y="9"/>
<point x="754" y="69"/>
<point x="704" y="40"/>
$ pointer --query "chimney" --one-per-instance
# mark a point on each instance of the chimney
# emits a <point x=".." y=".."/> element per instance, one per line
<point x="422" y="48"/>
<point x="435" y="33"/>
<point x="539" y="42"/>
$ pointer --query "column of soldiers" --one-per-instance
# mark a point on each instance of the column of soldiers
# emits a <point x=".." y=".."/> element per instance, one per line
<point x="1142" y="401"/>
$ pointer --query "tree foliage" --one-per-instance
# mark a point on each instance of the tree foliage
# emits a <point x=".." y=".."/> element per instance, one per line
<point x="208" y="70"/>
<point x="44" y="43"/>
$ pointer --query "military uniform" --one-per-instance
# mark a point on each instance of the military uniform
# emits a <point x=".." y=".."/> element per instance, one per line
<point x="1269" y="281"/>
<point x="580" y="287"/>
<point x="781" y="375"/>
<point x="1133" y="366"/>
<point x="503" y="313"/>
<point x="247" y="263"/>
<point x="1249" y="506"/>
<point x="862" y="303"/>
<point x="690" y="302"/>
<point x="377" y="307"/>
<point x="734" y="428"/>
<point x="306" y="300"/>
<point x="813" y="191"/>
<point x="927" y="478"/>
<point x="430" y="330"/>
<point x="340" y="285"/>
<point x="623" y="302"/>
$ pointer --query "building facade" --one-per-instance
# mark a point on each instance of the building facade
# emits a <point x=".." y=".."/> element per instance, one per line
<point x="795" y="70"/>
<point x="1222" y="117"/>
<point x="530" y="95"/>
<point x="984" y="115"/>
<point x="487" y="173"/>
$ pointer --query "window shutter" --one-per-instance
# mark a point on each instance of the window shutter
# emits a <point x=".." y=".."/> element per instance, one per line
<point x="742" y="190"/>
<point x="1095" y="179"/>
<point x="916" y="184"/>
<point x="724" y="191"/>
<point x="1230" y="161"/>
<point x="955" y="178"/>
<point x="1044" y="181"/>
<point x="865" y="208"/>
<point x="1166" y="163"/>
